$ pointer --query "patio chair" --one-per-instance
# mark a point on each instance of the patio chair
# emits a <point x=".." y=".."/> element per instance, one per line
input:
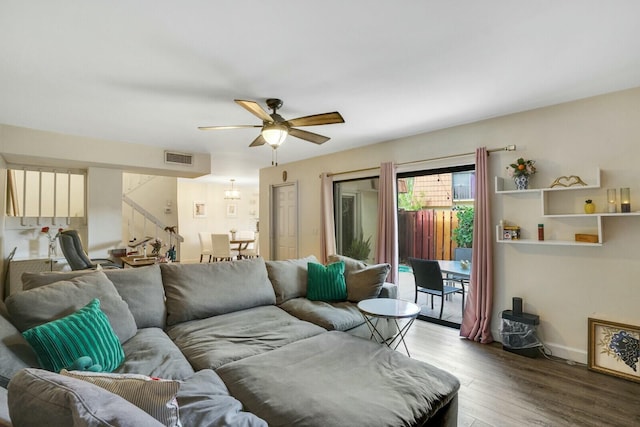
<point x="429" y="280"/>
<point x="459" y="255"/>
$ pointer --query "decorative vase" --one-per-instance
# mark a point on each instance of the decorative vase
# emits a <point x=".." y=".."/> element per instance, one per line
<point x="52" y="249"/>
<point x="522" y="182"/>
<point x="589" y="207"/>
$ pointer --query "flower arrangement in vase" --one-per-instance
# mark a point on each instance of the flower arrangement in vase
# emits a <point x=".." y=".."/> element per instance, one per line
<point x="51" y="250"/>
<point x="520" y="171"/>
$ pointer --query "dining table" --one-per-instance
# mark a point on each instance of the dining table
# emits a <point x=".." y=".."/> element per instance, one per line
<point x="242" y="244"/>
<point x="455" y="269"/>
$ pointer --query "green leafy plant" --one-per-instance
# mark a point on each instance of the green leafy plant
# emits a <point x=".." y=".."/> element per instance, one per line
<point x="359" y="248"/>
<point x="408" y="201"/>
<point x="463" y="233"/>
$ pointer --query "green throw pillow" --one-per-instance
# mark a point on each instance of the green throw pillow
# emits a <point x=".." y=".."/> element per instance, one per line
<point x="326" y="283"/>
<point x="87" y="332"/>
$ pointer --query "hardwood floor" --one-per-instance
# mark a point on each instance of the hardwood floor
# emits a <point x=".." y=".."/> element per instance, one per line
<point x="499" y="388"/>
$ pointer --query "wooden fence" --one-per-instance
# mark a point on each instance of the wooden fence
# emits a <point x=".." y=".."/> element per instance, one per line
<point x="426" y="234"/>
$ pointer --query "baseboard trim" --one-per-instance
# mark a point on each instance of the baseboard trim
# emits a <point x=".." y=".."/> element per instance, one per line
<point x="557" y="350"/>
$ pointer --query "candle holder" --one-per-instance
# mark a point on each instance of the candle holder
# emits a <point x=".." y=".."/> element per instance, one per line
<point x="625" y="199"/>
<point x="611" y="200"/>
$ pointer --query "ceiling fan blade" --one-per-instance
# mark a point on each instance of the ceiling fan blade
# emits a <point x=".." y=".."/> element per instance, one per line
<point x="317" y="119"/>
<point x="255" y="109"/>
<point x="308" y="136"/>
<point x="228" y="127"/>
<point x="258" y="141"/>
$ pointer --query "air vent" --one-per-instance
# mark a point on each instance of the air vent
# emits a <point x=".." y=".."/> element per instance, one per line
<point x="178" y="158"/>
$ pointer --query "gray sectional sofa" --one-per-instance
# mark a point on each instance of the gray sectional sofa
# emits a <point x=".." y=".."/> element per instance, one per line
<point x="244" y="343"/>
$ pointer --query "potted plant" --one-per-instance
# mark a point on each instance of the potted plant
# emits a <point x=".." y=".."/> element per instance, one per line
<point x="359" y="248"/>
<point x="463" y="233"/>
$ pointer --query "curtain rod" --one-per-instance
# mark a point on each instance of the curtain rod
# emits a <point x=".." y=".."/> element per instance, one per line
<point x="451" y="156"/>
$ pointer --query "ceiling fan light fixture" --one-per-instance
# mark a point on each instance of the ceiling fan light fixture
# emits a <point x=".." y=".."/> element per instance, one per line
<point x="232" y="194"/>
<point x="275" y="134"/>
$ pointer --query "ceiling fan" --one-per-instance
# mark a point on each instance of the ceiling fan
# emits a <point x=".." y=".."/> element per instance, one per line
<point x="275" y="128"/>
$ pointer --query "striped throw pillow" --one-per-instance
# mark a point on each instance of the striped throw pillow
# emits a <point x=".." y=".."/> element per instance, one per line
<point x="157" y="397"/>
<point x="326" y="283"/>
<point x="87" y="332"/>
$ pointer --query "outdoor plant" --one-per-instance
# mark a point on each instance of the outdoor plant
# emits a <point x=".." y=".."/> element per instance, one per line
<point x="463" y="233"/>
<point x="359" y="248"/>
<point x="408" y="201"/>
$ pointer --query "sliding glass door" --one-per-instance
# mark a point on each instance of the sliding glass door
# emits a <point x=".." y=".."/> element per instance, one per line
<point x="435" y="222"/>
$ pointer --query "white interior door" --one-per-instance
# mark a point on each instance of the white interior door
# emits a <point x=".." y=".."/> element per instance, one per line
<point x="284" y="217"/>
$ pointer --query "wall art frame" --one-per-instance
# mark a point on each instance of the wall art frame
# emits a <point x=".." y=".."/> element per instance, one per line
<point x="199" y="209"/>
<point x="614" y="348"/>
<point x="232" y="210"/>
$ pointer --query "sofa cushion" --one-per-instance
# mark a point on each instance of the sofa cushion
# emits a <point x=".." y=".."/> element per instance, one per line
<point x="212" y="342"/>
<point x="141" y="288"/>
<point x="151" y="352"/>
<point x="363" y="281"/>
<point x="41" y="398"/>
<point x="326" y="283"/>
<point x="289" y="277"/>
<point x="15" y="351"/>
<point x="350" y="264"/>
<point x="335" y="379"/>
<point x="37" y="306"/>
<point x="366" y="283"/>
<point x="339" y="316"/>
<point x="198" y="291"/>
<point x="87" y="332"/>
<point x="157" y="397"/>
<point x="205" y="401"/>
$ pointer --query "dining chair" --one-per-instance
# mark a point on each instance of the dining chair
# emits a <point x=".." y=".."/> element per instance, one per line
<point x="205" y="244"/>
<point x="221" y="248"/>
<point x="429" y="280"/>
<point x="252" y="249"/>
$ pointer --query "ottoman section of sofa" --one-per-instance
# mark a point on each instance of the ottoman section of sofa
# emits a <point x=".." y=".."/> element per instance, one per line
<point x="337" y="379"/>
<point x="215" y="341"/>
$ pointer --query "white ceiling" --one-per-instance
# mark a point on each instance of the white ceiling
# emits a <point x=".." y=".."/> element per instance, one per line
<point x="150" y="71"/>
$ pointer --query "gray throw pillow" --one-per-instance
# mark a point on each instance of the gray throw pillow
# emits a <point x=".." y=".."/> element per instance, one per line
<point x="289" y="277"/>
<point x="38" y="398"/>
<point x="363" y="281"/>
<point x="366" y="283"/>
<point x="141" y="288"/>
<point x="41" y="305"/>
<point x="15" y="352"/>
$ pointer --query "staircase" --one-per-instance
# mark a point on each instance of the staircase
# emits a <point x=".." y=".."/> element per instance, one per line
<point x="143" y="225"/>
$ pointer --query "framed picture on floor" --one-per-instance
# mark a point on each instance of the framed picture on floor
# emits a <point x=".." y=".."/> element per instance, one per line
<point x="199" y="209"/>
<point x="232" y="210"/>
<point x="614" y="349"/>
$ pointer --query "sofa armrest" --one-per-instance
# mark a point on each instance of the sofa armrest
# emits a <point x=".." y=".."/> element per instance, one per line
<point x="389" y="290"/>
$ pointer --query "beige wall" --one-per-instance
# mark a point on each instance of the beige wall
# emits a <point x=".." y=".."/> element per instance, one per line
<point x="563" y="284"/>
